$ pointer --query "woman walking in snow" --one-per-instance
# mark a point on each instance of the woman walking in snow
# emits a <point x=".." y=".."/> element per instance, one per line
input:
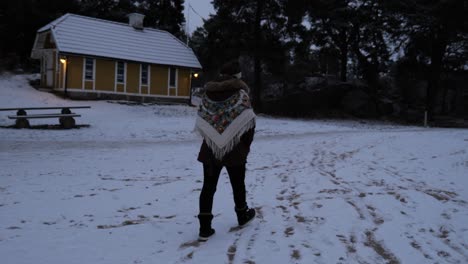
<point x="226" y="122"/>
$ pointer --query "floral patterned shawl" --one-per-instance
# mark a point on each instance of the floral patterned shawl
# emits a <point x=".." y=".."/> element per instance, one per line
<point x="223" y="123"/>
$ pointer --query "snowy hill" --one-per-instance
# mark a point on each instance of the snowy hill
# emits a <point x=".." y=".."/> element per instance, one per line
<point x="125" y="190"/>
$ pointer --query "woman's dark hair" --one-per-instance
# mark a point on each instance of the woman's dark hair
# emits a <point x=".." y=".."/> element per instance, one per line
<point x="230" y="68"/>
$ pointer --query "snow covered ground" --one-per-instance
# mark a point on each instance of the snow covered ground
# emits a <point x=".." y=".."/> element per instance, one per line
<point x="125" y="190"/>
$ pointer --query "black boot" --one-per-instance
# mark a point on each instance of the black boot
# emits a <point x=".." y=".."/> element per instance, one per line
<point x="205" y="226"/>
<point x="245" y="215"/>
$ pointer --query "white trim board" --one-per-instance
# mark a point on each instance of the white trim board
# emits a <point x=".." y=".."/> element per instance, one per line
<point x="169" y="80"/>
<point x="148" y="78"/>
<point x="94" y="74"/>
<point x="119" y="93"/>
<point x="125" y="77"/>
<point x="84" y="74"/>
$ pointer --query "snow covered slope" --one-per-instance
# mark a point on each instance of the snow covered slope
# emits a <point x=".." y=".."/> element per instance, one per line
<point x="125" y="190"/>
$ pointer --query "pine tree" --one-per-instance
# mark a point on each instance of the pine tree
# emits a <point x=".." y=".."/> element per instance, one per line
<point x="247" y="28"/>
<point x="103" y="9"/>
<point x="438" y="36"/>
<point x="19" y="22"/>
<point x="164" y="14"/>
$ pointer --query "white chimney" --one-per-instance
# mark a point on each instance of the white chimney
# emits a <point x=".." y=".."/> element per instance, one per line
<point x="136" y="20"/>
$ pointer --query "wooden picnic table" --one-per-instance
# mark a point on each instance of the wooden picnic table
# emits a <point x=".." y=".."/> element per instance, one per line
<point x="66" y="116"/>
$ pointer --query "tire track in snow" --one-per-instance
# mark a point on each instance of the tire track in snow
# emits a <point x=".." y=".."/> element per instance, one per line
<point x="326" y="162"/>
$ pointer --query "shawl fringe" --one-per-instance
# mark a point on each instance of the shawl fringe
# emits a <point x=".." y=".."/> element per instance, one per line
<point x="221" y="145"/>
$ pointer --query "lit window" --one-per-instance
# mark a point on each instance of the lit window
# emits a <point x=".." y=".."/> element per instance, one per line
<point x="89" y="69"/>
<point x="120" y="72"/>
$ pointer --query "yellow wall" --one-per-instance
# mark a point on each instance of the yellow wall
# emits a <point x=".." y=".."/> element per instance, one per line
<point x="158" y="80"/>
<point x="133" y="77"/>
<point x="60" y="75"/>
<point x="88" y="85"/>
<point x="105" y="75"/>
<point x="75" y="72"/>
<point x="63" y="70"/>
<point x="172" y="92"/>
<point x="183" y="82"/>
<point x="120" y="88"/>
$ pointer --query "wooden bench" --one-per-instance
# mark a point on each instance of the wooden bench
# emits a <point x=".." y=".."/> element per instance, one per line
<point x="66" y="117"/>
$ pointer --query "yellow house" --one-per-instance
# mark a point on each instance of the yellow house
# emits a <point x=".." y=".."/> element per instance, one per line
<point x="86" y="57"/>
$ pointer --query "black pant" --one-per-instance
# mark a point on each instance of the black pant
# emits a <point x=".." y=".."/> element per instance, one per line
<point x="211" y="174"/>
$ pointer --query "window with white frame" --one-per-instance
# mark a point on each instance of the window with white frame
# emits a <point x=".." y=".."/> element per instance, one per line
<point x="89" y="69"/>
<point x="172" y="77"/>
<point x="120" y="72"/>
<point x="144" y="74"/>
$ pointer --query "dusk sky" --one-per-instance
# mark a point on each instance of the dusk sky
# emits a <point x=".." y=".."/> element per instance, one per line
<point x="203" y="7"/>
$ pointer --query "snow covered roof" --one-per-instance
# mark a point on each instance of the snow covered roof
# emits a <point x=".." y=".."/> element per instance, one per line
<point x="96" y="37"/>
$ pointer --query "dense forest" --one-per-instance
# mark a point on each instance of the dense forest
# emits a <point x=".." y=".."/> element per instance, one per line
<point x="365" y="58"/>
